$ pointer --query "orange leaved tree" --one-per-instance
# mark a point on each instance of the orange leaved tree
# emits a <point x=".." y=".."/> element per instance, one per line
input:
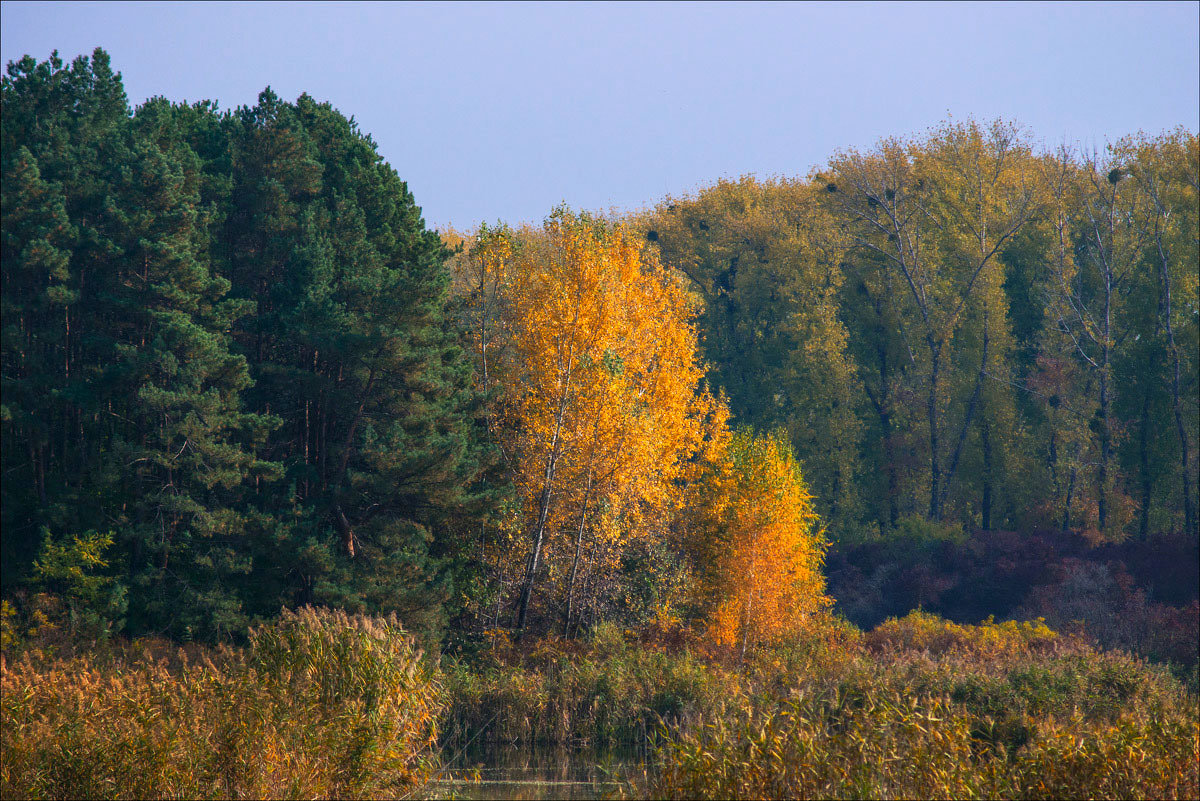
<point x="589" y="346"/>
<point x="759" y="543"/>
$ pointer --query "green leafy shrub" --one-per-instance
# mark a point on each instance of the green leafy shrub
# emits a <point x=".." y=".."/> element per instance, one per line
<point x="71" y="598"/>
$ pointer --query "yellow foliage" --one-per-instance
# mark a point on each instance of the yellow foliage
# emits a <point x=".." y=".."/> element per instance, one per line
<point x="591" y="349"/>
<point x="764" y="542"/>
<point x="921" y="631"/>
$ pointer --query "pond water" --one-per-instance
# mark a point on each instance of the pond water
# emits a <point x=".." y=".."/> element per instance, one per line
<point x="512" y="771"/>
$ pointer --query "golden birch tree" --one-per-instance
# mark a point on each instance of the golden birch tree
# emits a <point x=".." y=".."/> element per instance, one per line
<point x="590" y="347"/>
<point x="759" y="543"/>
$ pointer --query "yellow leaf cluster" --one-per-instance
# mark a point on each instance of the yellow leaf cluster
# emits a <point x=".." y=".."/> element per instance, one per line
<point x="765" y="543"/>
<point x="590" y="346"/>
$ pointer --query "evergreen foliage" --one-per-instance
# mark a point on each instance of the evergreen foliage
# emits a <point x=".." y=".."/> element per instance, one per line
<point x="226" y="339"/>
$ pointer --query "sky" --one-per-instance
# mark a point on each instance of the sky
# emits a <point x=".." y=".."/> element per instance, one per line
<point x="500" y="111"/>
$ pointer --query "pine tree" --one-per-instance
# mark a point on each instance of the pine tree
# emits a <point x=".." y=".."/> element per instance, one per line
<point x="191" y="444"/>
<point x="352" y="348"/>
<point x="60" y="139"/>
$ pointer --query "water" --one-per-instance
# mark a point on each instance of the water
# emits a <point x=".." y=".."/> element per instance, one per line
<point x="495" y="771"/>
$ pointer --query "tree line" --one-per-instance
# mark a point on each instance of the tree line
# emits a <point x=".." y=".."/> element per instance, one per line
<point x="240" y="374"/>
<point x="960" y="329"/>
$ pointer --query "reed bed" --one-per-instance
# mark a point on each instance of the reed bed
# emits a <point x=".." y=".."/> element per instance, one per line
<point x="923" y="708"/>
<point x="324" y="704"/>
<point x="319" y="704"/>
<point x="607" y="689"/>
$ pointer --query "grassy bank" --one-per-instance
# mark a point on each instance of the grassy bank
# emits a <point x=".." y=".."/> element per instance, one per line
<point x="324" y="704"/>
<point x="922" y="708"/>
<point x="319" y="704"/>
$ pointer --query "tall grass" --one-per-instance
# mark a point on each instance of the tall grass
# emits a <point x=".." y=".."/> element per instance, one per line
<point x="319" y="704"/>
<point x="922" y="708"/>
<point x="606" y="689"/>
<point x="322" y="704"/>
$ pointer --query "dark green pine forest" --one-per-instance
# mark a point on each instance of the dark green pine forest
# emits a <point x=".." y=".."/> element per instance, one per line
<point x="227" y="344"/>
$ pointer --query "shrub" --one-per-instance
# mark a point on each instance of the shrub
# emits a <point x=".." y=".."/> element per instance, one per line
<point x="1103" y="602"/>
<point x="926" y="632"/>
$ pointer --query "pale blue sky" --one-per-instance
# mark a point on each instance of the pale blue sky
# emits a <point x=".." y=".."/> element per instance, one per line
<point x="500" y="111"/>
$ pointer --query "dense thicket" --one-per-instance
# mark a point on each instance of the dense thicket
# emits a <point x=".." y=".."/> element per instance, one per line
<point x="225" y="339"/>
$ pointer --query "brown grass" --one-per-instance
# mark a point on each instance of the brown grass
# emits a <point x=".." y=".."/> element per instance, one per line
<point x="927" y="709"/>
<point x="320" y="704"/>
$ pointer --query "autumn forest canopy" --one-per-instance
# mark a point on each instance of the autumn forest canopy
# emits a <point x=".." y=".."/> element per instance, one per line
<point x="240" y="376"/>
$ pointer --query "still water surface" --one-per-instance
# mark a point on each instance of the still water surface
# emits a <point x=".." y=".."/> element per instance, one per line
<point x="495" y="771"/>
